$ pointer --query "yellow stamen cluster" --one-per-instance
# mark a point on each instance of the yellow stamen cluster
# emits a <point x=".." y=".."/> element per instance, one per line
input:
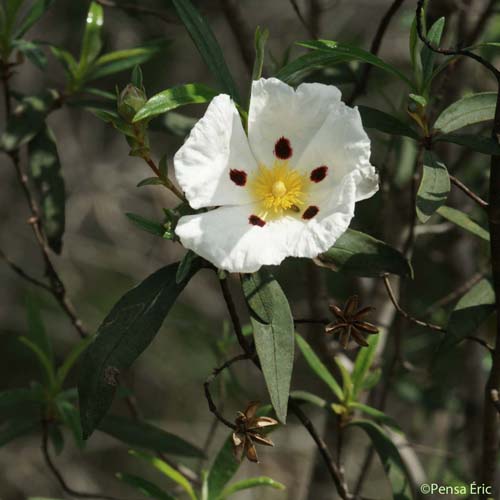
<point x="278" y="189"/>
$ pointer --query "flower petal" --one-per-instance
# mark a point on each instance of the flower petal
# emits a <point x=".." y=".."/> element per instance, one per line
<point x="231" y="240"/>
<point x="213" y="164"/>
<point x="278" y="113"/>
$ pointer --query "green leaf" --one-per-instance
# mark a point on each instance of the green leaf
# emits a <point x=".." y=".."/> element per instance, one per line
<point x="471" y="109"/>
<point x="373" y="118"/>
<point x="17" y="428"/>
<point x="45" y="170"/>
<point x="260" y="39"/>
<point x="434" y="187"/>
<point x="28" y="119"/>
<point x="32" y="51"/>
<point x="308" y="397"/>
<point x="389" y="456"/>
<point x="42" y="359"/>
<point x="428" y="56"/>
<point x="66" y="59"/>
<point x="92" y="41"/>
<point x="462" y="220"/>
<point x="190" y="93"/>
<point x="346" y="380"/>
<point x="363" y="363"/>
<point x="137" y="78"/>
<point x="378" y="415"/>
<point x="36" y="329"/>
<point x="71" y="359"/>
<point x="253" y="482"/>
<point x="146" y="224"/>
<point x="223" y="469"/>
<point x="185" y="265"/>
<point x="36" y="11"/>
<point x="478" y="143"/>
<point x="151" y="181"/>
<point x="71" y="417"/>
<point x="362" y="255"/>
<point x="56" y="437"/>
<point x="299" y="68"/>
<point x="273" y="333"/>
<point x="318" y="367"/>
<point x="126" y="331"/>
<point x="144" y="435"/>
<point x="207" y="45"/>
<point x="473" y="308"/>
<point x="419" y="99"/>
<point x="354" y="53"/>
<point x="168" y="471"/>
<point x="145" y="487"/>
<point x="121" y="60"/>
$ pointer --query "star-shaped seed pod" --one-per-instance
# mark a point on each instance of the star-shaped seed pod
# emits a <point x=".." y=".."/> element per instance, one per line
<point x="350" y="322"/>
<point x="246" y="434"/>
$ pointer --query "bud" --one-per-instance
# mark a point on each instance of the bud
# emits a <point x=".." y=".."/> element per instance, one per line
<point x="130" y="100"/>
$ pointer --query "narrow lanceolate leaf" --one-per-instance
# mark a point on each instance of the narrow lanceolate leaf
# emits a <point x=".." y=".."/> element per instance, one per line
<point x="144" y="486"/>
<point x="479" y="143"/>
<point x="428" y="56"/>
<point x="373" y="118"/>
<point x="360" y="254"/>
<point x="253" y="482"/>
<point x="261" y="36"/>
<point x="273" y="333"/>
<point x="434" y="187"/>
<point x="191" y="93"/>
<point x="121" y="60"/>
<point x="475" y="307"/>
<point x="207" y="45"/>
<point x="45" y="170"/>
<point x="354" y="53"/>
<point x="123" y="335"/>
<point x="28" y="119"/>
<point x="71" y="418"/>
<point x="303" y="65"/>
<point x="36" y="11"/>
<point x="390" y="458"/>
<point x="144" y="435"/>
<point x="146" y="224"/>
<point x="223" y="469"/>
<point x="309" y="397"/>
<point x="319" y="368"/>
<point x="363" y="363"/>
<point x="36" y="329"/>
<point x="168" y="471"/>
<point x="92" y="42"/>
<point x="471" y="109"/>
<point x="32" y="51"/>
<point x="462" y="220"/>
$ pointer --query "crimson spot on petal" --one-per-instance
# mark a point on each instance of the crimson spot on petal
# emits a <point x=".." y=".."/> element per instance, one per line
<point x="319" y="173"/>
<point x="310" y="212"/>
<point x="239" y="177"/>
<point x="256" y="221"/>
<point x="282" y="149"/>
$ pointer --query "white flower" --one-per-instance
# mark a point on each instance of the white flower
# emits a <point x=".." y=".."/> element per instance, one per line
<point x="289" y="189"/>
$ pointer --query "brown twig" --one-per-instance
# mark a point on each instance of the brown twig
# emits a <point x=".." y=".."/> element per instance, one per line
<point x="473" y="196"/>
<point x="311" y="321"/>
<point x="136" y="9"/>
<point x="403" y="313"/>
<point x="362" y="82"/>
<point x="60" y="478"/>
<point x="249" y="352"/>
<point x="211" y="405"/>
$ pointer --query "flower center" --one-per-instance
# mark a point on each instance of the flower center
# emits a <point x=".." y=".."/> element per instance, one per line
<point x="278" y="189"/>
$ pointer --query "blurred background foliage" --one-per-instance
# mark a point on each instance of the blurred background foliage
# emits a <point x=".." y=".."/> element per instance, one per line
<point x="436" y="400"/>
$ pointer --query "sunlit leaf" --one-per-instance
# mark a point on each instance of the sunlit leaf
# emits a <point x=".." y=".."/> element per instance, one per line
<point x="428" y="56"/>
<point x="253" y="482"/>
<point x="471" y="109"/>
<point x="462" y="220"/>
<point x="318" y="367"/>
<point x="92" y="41"/>
<point x="363" y="255"/>
<point x="363" y="363"/>
<point x="273" y="333"/>
<point x="434" y="187"/>
<point x="207" y="45"/>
